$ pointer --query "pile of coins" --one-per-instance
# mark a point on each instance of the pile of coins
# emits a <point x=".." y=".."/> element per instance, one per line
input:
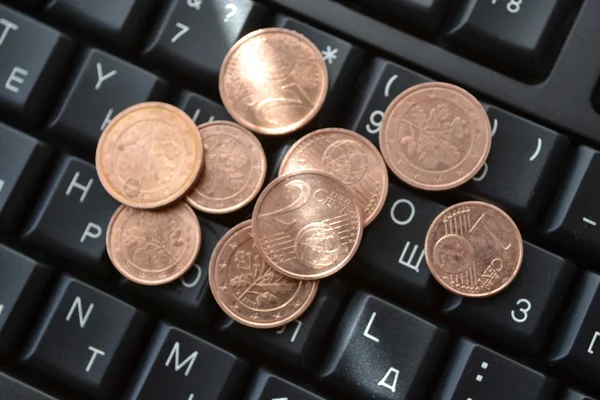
<point x="307" y="224"/>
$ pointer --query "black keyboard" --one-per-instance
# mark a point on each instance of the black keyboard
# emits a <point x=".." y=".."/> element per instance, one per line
<point x="72" y="328"/>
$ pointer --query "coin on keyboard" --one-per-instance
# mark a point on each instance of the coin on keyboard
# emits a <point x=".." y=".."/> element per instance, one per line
<point x="153" y="247"/>
<point x="149" y="156"/>
<point x="273" y="81"/>
<point x="435" y="136"/>
<point x="349" y="157"/>
<point x="474" y="249"/>
<point x="248" y="289"/>
<point x="235" y="167"/>
<point x="307" y="224"/>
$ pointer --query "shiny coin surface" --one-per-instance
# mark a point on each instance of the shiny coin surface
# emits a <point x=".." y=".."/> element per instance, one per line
<point x="307" y="224"/>
<point x="235" y="167"/>
<point x="435" y="136"/>
<point x="153" y="247"/>
<point x="474" y="249"/>
<point x="349" y="157"/>
<point x="273" y="81"/>
<point x="149" y="156"/>
<point x="248" y="289"/>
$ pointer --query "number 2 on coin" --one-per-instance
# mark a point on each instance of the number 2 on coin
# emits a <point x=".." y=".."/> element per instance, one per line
<point x="296" y="96"/>
<point x="298" y="202"/>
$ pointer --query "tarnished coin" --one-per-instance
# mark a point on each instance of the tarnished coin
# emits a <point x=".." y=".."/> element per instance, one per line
<point x="307" y="224"/>
<point x="235" y="167"/>
<point x="149" y="156"/>
<point x="153" y="247"/>
<point x="435" y="136"/>
<point x="273" y="81"/>
<point x="248" y="289"/>
<point x="474" y="249"/>
<point x="349" y="157"/>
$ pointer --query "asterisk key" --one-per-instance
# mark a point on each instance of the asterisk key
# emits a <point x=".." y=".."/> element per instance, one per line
<point x="329" y="54"/>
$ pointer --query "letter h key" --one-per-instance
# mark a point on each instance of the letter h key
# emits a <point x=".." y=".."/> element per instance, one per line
<point x="85" y="338"/>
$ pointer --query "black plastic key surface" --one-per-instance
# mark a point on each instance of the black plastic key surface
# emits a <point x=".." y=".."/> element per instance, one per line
<point x="391" y="255"/>
<point x="342" y="58"/>
<point x="421" y="14"/>
<point x="189" y="295"/>
<point x="103" y="86"/>
<point x="268" y="386"/>
<point x="476" y="372"/>
<point x="577" y="346"/>
<point x="383" y="83"/>
<point x="571" y="394"/>
<point x="119" y="21"/>
<point x="201" y="109"/>
<point x="22" y="282"/>
<point x="85" y="338"/>
<point x="22" y="161"/>
<point x="33" y="59"/>
<point x="573" y="219"/>
<point x="178" y="365"/>
<point x="381" y="351"/>
<point x="521" y="166"/>
<point x="515" y="34"/>
<point x="521" y="314"/>
<point x="13" y="389"/>
<point x="72" y="215"/>
<point x="194" y="36"/>
<point x="297" y="342"/>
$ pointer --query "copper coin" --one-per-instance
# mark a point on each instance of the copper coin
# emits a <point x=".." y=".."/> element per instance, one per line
<point x="435" y="136"/>
<point x="149" y="156"/>
<point x="273" y="81"/>
<point x="153" y="247"/>
<point x="474" y="249"/>
<point x="307" y="224"/>
<point x="248" y="289"/>
<point x="235" y="167"/>
<point x="349" y="157"/>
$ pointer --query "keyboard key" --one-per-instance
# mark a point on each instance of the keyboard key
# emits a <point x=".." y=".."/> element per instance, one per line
<point x="518" y="177"/>
<point x="518" y="34"/>
<point x="33" y="57"/>
<point x="85" y="338"/>
<point x="103" y="86"/>
<point x="72" y="216"/>
<point x="267" y="386"/>
<point x="572" y="219"/>
<point x="575" y="395"/>
<point x="382" y="352"/>
<point x="476" y="372"/>
<point x="398" y="266"/>
<point x="297" y="342"/>
<point x="189" y="295"/>
<point x="421" y="14"/>
<point x="577" y="346"/>
<point x="22" y="162"/>
<point x="384" y="82"/>
<point x="181" y="366"/>
<point x="521" y="315"/>
<point x="201" y="109"/>
<point x="343" y="60"/>
<point x="194" y="36"/>
<point x="121" y="21"/>
<point x="10" y="388"/>
<point x="22" y="282"/>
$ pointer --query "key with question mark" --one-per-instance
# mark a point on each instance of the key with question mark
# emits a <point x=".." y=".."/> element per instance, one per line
<point x="232" y="11"/>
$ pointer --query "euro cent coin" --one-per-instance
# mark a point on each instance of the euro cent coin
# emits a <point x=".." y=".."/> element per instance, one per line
<point x="273" y="81"/>
<point x="149" y="156"/>
<point x="248" y="289"/>
<point x="235" y="167"/>
<point x="474" y="249"/>
<point x="153" y="247"/>
<point x="307" y="224"/>
<point x="435" y="136"/>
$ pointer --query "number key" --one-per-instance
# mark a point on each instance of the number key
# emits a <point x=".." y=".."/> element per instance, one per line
<point x="521" y="314"/>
